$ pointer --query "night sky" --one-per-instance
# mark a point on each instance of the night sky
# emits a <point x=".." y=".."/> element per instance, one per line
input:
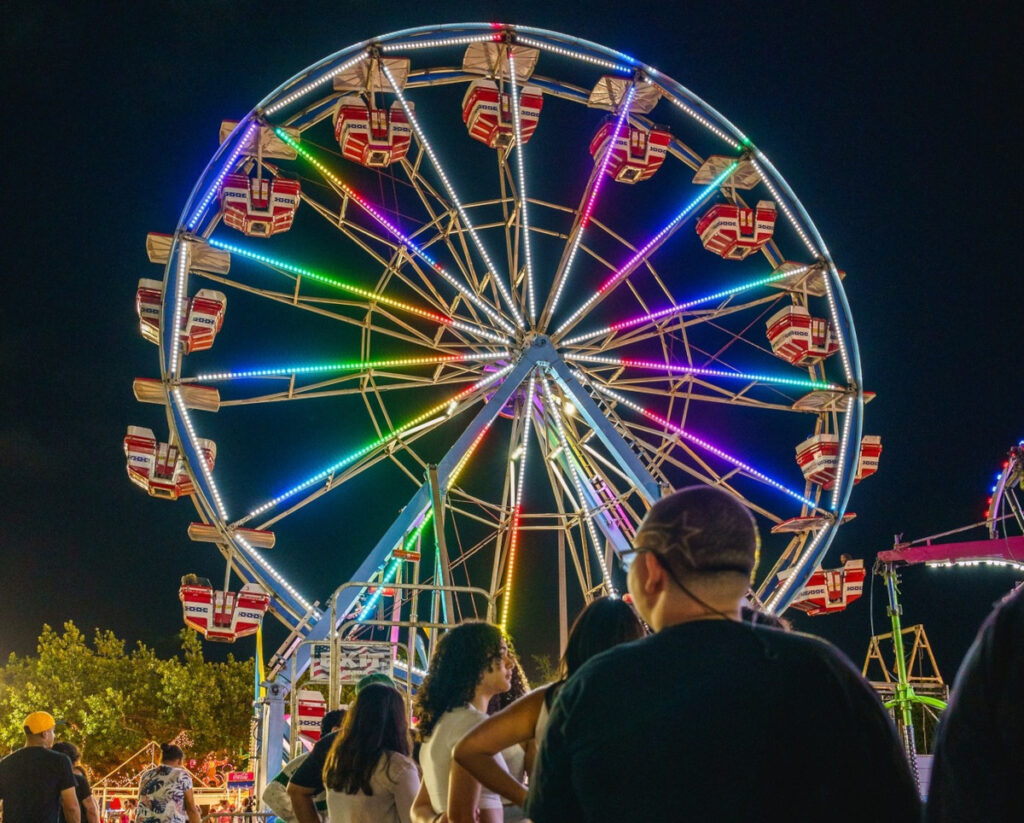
<point x="893" y="127"/>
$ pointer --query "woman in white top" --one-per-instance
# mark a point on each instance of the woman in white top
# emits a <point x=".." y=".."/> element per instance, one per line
<point x="368" y="774"/>
<point x="470" y="665"/>
<point x="604" y="623"/>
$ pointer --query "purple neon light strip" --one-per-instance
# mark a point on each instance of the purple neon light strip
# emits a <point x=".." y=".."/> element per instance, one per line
<point x="215" y="187"/>
<point x="627" y="269"/>
<point x="639" y="320"/>
<point x="704" y="444"/>
<point x="609" y="149"/>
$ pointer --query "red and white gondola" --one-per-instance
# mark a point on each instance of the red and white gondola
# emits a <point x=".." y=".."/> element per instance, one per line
<point x="799" y="338"/>
<point x="830" y="590"/>
<point x="159" y="467"/>
<point x="200" y="321"/>
<point x="259" y="206"/>
<point x="487" y="113"/>
<point x="735" y="232"/>
<point x="371" y="135"/>
<point x="818" y="458"/>
<point x="219" y="615"/>
<point x="637" y="153"/>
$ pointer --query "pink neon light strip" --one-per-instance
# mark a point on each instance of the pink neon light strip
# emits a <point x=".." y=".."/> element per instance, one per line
<point x="609" y="150"/>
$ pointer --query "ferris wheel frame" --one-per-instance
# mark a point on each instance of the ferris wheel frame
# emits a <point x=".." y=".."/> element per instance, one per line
<point x="535" y="354"/>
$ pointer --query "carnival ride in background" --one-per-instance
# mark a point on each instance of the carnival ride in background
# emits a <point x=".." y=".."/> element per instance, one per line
<point x="477" y="275"/>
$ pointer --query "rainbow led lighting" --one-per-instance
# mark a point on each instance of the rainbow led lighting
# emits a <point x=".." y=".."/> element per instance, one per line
<point x="448" y="405"/>
<point x="397" y="233"/>
<point x="575" y="55"/>
<point x="355" y="365"/>
<point x="630" y="362"/>
<point x="704" y="122"/>
<point x="506" y="601"/>
<point x="411" y="115"/>
<point x="692" y="438"/>
<point x="588" y="209"/>
<point x="295" y="95"/>
<point x="215" y="186"/>
<point x="627" y="269"/>
<point x="444" y="320"/>
<point x="639" y="320"/>
<point x="255" y="555"/>
<point x="194" y="440"/>
<point x="520" y="168"/>
<point x="440" y="42"/>
<point x="386" y="577"/>
<point x="179" y="305"/>
<point x="563" y="440"/>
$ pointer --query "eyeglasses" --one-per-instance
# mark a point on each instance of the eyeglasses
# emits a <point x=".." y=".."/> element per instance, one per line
<point x="628" y="558"/>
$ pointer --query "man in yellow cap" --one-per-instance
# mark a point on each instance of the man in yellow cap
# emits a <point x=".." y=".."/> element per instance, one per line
<point x="35" y="782"/>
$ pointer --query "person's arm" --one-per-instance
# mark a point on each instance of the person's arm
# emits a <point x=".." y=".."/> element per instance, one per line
<point x="552" y="797"/>
<point x="463" y="795"/>
<point x="69" y="803"/>
<point x="92" y="810"/>
<point x="423" y="811"/>
<point x="406" y="785"/>
<point x="302" y="802"/>
<point x="191" y="809"/>
<point x="477" y="751"/>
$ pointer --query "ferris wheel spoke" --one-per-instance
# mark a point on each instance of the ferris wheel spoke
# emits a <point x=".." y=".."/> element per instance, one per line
<point x="694" y="439"/>
<point x="586" y="209"/>
<point x="336" y="283"/>
<point x="555" y="415"/>
<point x="377" y="214"/>
<point x="434" y="415"/>
<point x="522" y="211"/>
<point x="449" y="188"/>
<point x="668" y="312"/>
<point x="644" y="252"/>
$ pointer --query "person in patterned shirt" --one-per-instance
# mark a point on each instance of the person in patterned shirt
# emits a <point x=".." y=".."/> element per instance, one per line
<point x="165" y="791"/>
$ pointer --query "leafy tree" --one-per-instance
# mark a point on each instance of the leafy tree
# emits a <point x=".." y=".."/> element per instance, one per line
<point x="114" y="701"/>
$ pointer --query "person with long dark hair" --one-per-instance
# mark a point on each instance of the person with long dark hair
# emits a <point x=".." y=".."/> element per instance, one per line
<point x="165" y="791"/>
<point x="603" y="623"/>
<point x="470" y="666"/>
<point x="369" y="775"/>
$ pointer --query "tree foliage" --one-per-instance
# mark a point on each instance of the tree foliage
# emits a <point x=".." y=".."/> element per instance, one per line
<point x="114" y="701"/>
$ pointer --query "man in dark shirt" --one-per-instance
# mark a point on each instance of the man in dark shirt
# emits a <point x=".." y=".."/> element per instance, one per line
<point x="35" y="782"/>
<point x="307" y="783"/>
<point x="978" y="769"/>
<point x="83" y="791"/>
<point x="711" y="718"/>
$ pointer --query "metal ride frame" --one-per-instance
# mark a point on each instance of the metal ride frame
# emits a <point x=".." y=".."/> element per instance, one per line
<point x="492" y="344"/>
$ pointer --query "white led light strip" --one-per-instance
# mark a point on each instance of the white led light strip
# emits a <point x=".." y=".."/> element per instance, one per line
<point x="844" y="448"/>
<point x="179" y="305"/>
<point x="589" y="206"/>
<point x="295" y="95"/>
<point x="571" y="463"/>
<point x="575" y="55"/>
<point x="451" y="193"/>
<point x="785" y="208"/>
<point x="532" y="301"/>
<point x="437" y="43"/>
<point x="518" y="503"/>
<point x="194" y="440"/>
<point x="772" y="603"/>
<point x="704" y="122"/>
<point x="255" y="555"/>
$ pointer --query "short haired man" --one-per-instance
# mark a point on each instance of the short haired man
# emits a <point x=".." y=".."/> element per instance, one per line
<point x="711" y="718"/>
<point x="35" y="782"/>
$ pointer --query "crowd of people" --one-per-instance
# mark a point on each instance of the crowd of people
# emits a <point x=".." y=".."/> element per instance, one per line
<point x="682" y="704"/>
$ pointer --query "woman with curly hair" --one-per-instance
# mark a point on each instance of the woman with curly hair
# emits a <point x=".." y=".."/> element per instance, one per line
<point x="369" y="775"/>
<point x="604" y="623"/>
<point x="470" y="666"/>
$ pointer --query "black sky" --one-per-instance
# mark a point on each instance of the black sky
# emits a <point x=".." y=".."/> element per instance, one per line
<point x="894" y="127"/>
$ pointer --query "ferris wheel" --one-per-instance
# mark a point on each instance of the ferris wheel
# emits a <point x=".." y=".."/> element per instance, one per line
<point x="493" y="291"/>
<point x="1005" y="512"/>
